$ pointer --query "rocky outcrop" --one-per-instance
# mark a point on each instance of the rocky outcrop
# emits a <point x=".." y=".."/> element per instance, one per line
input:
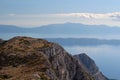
<point x="66" y="67"/>
<point x="25" y="58"/>
<point x="90" y="66"/>
<point x="1" y="41"/>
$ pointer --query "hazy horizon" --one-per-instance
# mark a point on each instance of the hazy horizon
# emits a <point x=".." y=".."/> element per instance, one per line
<point x="34" y="13"/>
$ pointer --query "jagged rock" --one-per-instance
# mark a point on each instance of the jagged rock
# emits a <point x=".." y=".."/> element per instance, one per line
<point x="90" y="66"/>
<point x="25" y="58"/>
<point x="66" y="67"/>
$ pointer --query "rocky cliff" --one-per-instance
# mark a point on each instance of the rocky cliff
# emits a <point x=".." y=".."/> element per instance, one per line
<point x="1" y="41"/>
<point x="25" y="58"/>
<point x="90" y="66"/>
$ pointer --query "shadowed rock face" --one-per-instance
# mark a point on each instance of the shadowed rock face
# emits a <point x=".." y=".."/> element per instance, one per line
<point x="1" y="41"/>
<point x="25" y="58"/>
<point x="90" y="66"/>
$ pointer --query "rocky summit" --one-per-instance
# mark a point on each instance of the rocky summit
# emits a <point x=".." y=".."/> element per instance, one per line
<point x="26" y="58"/>
<point x="90" y="66"/>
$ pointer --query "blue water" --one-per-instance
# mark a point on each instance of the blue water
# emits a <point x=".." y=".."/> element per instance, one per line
<point x="106" y="57"/>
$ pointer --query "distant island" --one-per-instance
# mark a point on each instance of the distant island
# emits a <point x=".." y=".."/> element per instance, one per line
<point x="84" y="41"/>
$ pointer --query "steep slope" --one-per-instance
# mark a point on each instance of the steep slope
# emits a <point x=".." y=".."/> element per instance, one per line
<point x="90" y="66"/>
<point x="25" y="58"/>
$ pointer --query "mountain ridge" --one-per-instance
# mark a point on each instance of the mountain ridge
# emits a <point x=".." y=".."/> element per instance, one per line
<point x="67" y="28"/>
<point x="90" y="66"/>
<point x="29" y="58"/>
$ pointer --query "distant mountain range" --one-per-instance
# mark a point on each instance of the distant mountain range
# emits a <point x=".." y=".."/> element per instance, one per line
<point x="67" y="28"/>
<point x="83" y="41"/>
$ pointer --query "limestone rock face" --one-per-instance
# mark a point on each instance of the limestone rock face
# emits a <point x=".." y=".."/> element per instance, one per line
<point x="66" y="67"/>
<point x="26" y="58"/>
<point x="90" y="66"/>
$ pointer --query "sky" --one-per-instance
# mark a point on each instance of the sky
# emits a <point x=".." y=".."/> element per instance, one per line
<point x="33" y="13"/>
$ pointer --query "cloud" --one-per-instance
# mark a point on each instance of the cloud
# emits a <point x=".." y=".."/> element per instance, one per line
<point x="86" y="15"/>
<point x="92" y="15"/>
<point x="115" y="14"/>
<point x="11" y="14"/>
<point x="109" y="19"/>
